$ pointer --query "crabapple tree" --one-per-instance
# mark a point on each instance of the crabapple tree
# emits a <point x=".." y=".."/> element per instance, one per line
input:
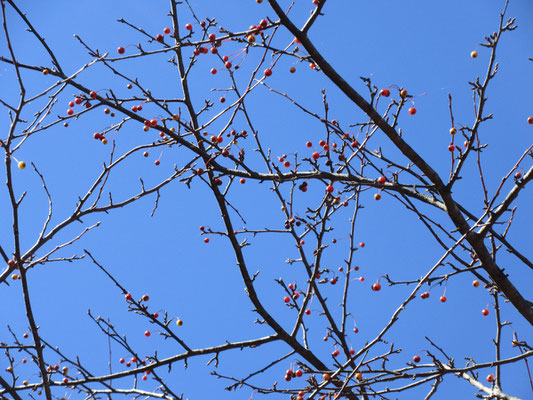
<point x="266" y="199"/>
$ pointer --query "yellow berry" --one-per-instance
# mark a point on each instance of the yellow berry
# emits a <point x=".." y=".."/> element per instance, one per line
<point x="179" y="322"/>
<point x="9" y="369"/>
<point x="473" y="54"/>
<point x="175" y="117"/>
<point x="46" y="71"/>
<point x="251" y="38"/>
<point x="359" y="376"/>
<point x="172" y="130"/>
<point x="146" y="128"/>
<point x="65" y="370"/>
<point x="453" y="131"/>
<point x="14" y="277"/>
<point x="22" y="164"/>
<point x="104" y="141"/>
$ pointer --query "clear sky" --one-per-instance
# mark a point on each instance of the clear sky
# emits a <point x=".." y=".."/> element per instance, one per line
<point x="423" y="46"/>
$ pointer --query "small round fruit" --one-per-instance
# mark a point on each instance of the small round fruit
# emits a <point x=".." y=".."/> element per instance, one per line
<point x="128" y="296"/>
<point x="286" y="299"/>
<point x="377" y="196"/>
<point x="145" y="154"/>
<point x="166" y="31"/>
<point x="292" y="70"/>
<point x="412" y="111"/>
<point x="267" y="72"/>
<point x="70" y="111"/>
<point x="475" y="283"/>
<point x="474" y="54"/>
<point x="315" y="155"/>
<point x="121" y="50"/>
<point x="147" y="333"/>
<point x="188" y="27"/>
<point x="451" y="148"/>
<point x="213" y="71"/>
<point x="92" y="94"/>
<point x="453" y="131"/>
<point x="11" y="263"/>
<point x="206" y="240"/>
<point x="326" y="377"/>
<point x="330" y="189"/>
<point x="443" y="299"/>
<point x="179" y="322"/>
<point x="22" y="164"/>
<point x="359" y="376"/>
<point x="403" y="93"/>
<point x="490" y="378"/>
<point x="485" y="312"/>
<point x="382" y="180"/>
<point x="46" y="71"/>
<point x="518" y="175"/>
<point x="385" y="92"/>
<point x="416" y="359"/>
<point x="530" y="120"/>
<point x="376" y="287"/>
<point x="362" y="244"/>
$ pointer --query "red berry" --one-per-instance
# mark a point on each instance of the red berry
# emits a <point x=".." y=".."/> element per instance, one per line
<point x="65" y="380"/>
<point x="518" y="175"/>
<point x="212" y="37"/>
<point x="530" y="120"/>
<point x="121" y="361"/>
<point x="412" y="111"/>
<point x="78" y="100"/>
<point x="299" y="373"/>
<point x="352" y="352"/>
<point x="490" y="378"/>
<point x="188" y="27"/>
<point x="25" y="335"/>
<point x="355" y="330"/>
<point x="242" y="180"/>
<point x="416" y="359"/>
<point x="153" y="122"/>
<point x="128" y="364"/>
<point x="213" y="71"/>
<point x="147" y="333"/>
<point x="425" y="295"/>
<point x="485" y="312"/>
<point x="145" y="297"/>
<point x="308" y="312"/>
<point x="121" y="50"/>
<point x="92" y="94"/>
<point x="157" y="162"/>
<point x="335" y="353"/>
<point x="385" y="92"/>
<point x="376" y="287"/>
<point x="160" y="38"/>
<point x="362" y="244"/>
<point x="443" y="299"/>
<point x="70" y="111"/>
<point x="382" y="180"/>
<point x="286" y="164"/>
<point x="268" y="72"/>
<point x="134" y="359"/>
<point x="286" y="299"/>
<point x="451" y="147"/>
<point x="71" y="104"/>
<point x="144" y="377"/>
<point x="315" y="155"/>
<point x="166" y="31"/>
<point x="206" y="240"/>
<point x="128" y="297"/>
<point x="329" y="189"/>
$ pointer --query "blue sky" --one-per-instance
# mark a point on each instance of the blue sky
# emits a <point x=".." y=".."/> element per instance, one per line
<point x="424" y="47"/>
